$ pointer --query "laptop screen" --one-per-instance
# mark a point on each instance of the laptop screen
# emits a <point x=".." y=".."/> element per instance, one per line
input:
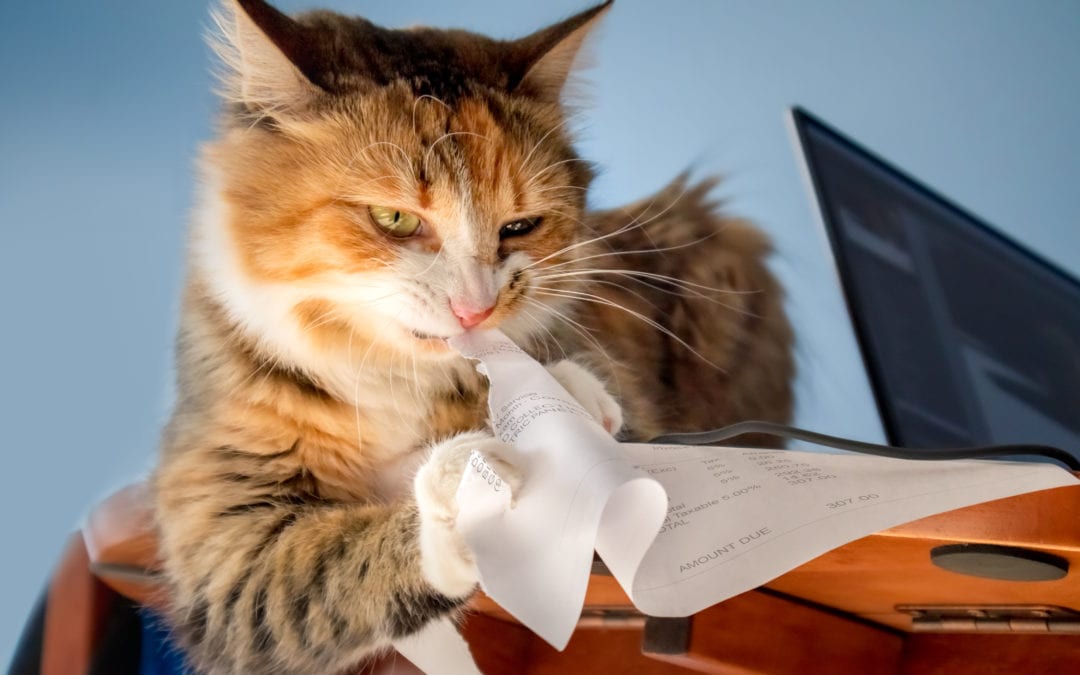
<point x="968" y="338"/>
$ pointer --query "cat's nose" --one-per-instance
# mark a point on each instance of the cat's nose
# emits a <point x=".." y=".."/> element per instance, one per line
<point x="469" y="316"/>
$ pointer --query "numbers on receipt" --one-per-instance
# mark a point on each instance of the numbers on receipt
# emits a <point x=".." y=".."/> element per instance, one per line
<point x="848" y="501"/>
<point x="485" y="473"/>
<point x="791" y="471"/>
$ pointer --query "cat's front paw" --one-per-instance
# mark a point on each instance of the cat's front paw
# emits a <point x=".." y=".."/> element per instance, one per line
<point x="590" y="392"/>
<point x="445" y="559"/>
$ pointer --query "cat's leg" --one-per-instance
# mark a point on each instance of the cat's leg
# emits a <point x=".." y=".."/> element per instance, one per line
<point x="445" y="560"/>
<point x="265" y="577"/>
<point x="590" y="392"/>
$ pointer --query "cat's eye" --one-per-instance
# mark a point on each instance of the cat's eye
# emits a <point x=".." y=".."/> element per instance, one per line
<point x="517" y="228"/>
<point x="395" y="222"/>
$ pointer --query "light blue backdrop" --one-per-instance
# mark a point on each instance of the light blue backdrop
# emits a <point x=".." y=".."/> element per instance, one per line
<point x="103" y="105"/>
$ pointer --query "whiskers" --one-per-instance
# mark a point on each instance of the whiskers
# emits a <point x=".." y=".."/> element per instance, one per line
<point x="600" y="300"/>
<point x="558" y="285"/>
<point x="361" y="371"/>
<point x="440" y="139"/>
<point x="574" y="325"/>
<point x="634" y="224"/>
<point x="536" y="146"/>
<point x="659" y="282"/>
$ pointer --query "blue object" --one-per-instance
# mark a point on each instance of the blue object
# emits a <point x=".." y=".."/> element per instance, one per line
<point x="160" y="654"/>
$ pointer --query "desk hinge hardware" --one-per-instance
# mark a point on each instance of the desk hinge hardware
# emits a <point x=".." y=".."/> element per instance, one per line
<point x="992" y="619"/>
<point x="611" y="617"/>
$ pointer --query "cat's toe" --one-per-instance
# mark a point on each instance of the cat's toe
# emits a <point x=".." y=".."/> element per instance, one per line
<point x="590" y="392"/>
<point x="436" y="482"/>
<point x="445" y="559"/>
<point x="501" y="459"/>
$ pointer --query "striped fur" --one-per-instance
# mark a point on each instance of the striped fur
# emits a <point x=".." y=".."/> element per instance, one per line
<point x="312" y="378"/>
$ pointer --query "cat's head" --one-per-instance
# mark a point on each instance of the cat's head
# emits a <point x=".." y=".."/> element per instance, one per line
<point x="389" y="186"/>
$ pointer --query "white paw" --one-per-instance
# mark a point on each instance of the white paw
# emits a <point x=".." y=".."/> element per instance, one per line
<point x="590" y="392"/>
<point x="445" y="560"/>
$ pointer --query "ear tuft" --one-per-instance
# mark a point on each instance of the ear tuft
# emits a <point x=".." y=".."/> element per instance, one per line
<point x="551" y="54"/>
<point x="261" y="53"/>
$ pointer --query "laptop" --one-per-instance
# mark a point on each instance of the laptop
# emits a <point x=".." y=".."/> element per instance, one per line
<point x="968" y="338"/>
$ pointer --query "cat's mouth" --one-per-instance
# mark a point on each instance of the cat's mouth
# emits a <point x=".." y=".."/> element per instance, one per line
<point x="429" y="340"/>
<point x="425" y="336"/>
<point x="436" y="345"/>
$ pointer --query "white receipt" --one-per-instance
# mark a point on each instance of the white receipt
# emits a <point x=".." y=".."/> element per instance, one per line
<point x="438" y="649"/>
<point x="680" y="528"/>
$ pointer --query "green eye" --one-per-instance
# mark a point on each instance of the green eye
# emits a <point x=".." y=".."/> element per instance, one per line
<point x="395" y="223"/>
<point x="519" y="227"/>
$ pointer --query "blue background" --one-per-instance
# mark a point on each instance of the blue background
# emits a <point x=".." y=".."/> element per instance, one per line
<point x="104" y="104"/>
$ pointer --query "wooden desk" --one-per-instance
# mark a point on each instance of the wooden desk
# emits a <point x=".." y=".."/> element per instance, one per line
<point x="837" y="613"/>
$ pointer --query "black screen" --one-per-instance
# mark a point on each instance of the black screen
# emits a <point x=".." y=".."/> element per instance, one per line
<point x="969" y="339"/>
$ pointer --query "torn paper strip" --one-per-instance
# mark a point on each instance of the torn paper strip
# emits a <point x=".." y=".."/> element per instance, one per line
<point x="534" y="559"/>
<point x="681" y="528"/>
<point x="438" y="649"/>
<point x="739" y="517"/>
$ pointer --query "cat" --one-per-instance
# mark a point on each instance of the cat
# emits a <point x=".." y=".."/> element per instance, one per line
<point x="370" y="193"/>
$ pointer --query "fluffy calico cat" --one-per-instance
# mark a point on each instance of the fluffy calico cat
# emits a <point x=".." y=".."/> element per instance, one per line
<point x="370" y="193"/>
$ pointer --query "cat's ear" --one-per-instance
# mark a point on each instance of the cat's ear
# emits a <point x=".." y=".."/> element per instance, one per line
<point x="549" y="55"/>
<point x="268" y="58"/>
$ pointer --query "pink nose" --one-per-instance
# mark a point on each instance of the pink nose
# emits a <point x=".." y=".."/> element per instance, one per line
<point x="469" y="317"/>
